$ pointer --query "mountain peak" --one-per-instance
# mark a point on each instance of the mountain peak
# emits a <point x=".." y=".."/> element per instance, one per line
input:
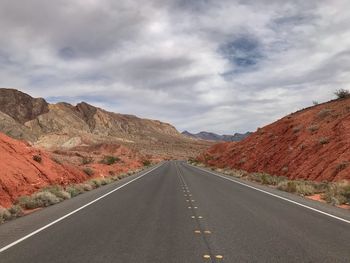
<point x="21" y="106"/>
<point x="211" y="136"/>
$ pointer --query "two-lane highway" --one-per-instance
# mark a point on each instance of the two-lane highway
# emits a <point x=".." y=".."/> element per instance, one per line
<point x="179" y="213"/>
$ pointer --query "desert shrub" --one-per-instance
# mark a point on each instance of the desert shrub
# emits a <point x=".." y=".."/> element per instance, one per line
<point x="146" y="162"/>
<point x="285" y="169"/>
<point x="122" y="175"/>
<point x="324" y="113"/>
<point x="337" y="193"/>
<point x="115" y="178"/>
<point x="287" y="186"/>
<point x="342" y="93"/>
<point x="192" y="161"/>
<point x="323" y="140"/>
<point x="45" y="198"/>
<point x="95" y="183"/>
<point x="86" y="160"/>
<point x="105" y="181"/>
<point x="58" y="191"/>
<point x="27" y="202"/>
<point x="219" y="170"/>
<point x="74" y="190"/>
<point x="37" y="158"/>
<point x="315" y="103"/>
<point x="297" y="129"/>
<point x="88" y="171"/>
<point x="84" y="186"/>
<point x="265" y="178"/>
<point x="109" y="160"/>
<point x="305" y="188"/>
<point x="313" y="128"/>
<point x="4" y="214"/>
<point x="341" y="166"/>
<point x="16" y="211"/>
<point x="39" y="199"/>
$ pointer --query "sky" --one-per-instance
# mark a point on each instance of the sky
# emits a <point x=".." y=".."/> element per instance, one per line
<point x="223" y="66"/>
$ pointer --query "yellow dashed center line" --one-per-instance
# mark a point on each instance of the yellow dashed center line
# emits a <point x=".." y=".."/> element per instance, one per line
<point x="187" y="194"/>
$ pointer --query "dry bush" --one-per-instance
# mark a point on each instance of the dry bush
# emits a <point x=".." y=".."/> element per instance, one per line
<point x="4" y="214"/>
<point x="39" y="199"/>
<point x="323" y="140"/>
<point x="297" y="129"/>
<point x="313" y="128"/>
<point x="337" y="193"/>
<point x="74" y="190"/>
<point x="287" y="186"/>
<point x="305" y="188"/>
<point x="16" y="211"/>
<point x="109" y="159"/>
<point x="86" y="160"/>
<point x="88" y="171"/>
<point x="58" y="191"/>
<point x="27" y="202"/>
<point x="45" y="198"/>
<point x="324" y="113"/>
<point x="37" y="158"/>
<point x="265" y="178"/>
<point x="146" y="162"/>
<point x="342" y="93"/>
<point x="341" y="166"/>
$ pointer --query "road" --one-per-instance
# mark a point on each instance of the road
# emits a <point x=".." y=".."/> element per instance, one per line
<point x="178" y="213"/>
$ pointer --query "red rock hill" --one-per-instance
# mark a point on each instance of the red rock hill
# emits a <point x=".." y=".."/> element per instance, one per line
<point x="312" y="144"/>
<point x="20" y="174"/>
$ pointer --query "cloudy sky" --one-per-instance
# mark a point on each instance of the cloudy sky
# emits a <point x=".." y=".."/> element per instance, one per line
<point x="221" y="66"/>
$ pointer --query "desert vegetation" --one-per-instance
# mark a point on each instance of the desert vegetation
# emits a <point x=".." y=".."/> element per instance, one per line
<point x="342" y="93"/>
<point x="335" y="193"/>
<point x="146" y="162"/>
<point x="109" y="160"/>
<point x="54" y="194"/>
<point x="37" y="158"/>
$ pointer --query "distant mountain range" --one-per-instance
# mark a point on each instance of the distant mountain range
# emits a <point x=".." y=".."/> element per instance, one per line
<point x="210" y="136"/>
<point x="62" y="125"/>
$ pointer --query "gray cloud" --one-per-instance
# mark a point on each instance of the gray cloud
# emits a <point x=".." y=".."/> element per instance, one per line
<point x="221" y="66"/>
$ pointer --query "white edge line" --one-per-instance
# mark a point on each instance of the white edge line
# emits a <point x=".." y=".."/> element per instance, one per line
<point x="73" y="212"/>
<point x="277" y="196"/>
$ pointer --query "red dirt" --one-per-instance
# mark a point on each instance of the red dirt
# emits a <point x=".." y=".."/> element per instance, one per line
<point x="316" y="197"/>
<point x="312" y="144"/>
<point x="128" y="159"/>
<point x="21" y="175"/>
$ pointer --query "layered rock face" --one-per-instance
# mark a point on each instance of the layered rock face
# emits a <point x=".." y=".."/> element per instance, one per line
<point x="62" y="125"/>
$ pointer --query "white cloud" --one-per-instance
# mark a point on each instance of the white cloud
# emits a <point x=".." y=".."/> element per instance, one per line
<point x="221" y="66"/>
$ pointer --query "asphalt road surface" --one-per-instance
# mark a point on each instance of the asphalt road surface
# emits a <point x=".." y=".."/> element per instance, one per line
<point x="179" y="213"/>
